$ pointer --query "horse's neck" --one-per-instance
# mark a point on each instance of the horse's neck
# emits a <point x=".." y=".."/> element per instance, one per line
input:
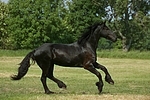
<point x="93" y="42"/>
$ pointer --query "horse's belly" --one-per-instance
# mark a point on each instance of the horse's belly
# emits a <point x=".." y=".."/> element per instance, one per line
<point x="68" y="62"/>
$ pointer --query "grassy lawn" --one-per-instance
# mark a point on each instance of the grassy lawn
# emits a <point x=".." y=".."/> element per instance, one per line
<point x="131" y="78"/>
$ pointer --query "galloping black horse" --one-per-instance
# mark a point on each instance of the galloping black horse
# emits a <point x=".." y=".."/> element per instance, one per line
<point x="78" y="54"/>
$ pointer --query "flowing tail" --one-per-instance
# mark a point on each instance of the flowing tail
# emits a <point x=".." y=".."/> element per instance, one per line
<point x="24" y="65"/>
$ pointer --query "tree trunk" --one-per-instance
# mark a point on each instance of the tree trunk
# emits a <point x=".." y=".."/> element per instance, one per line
<point x="125" y="46"/>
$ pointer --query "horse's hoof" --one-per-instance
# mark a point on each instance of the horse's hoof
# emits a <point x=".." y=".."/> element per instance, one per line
<point x="62" y="85"/>
<point x="111" y="83"/>
<point x="64" y="88"/>
<point x="109" y="80"/>
<point x="99" y="86"/>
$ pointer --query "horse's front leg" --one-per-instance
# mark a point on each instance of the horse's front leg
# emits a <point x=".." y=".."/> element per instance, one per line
<point x="103" y="68"/>
<point x="94" y="71"/>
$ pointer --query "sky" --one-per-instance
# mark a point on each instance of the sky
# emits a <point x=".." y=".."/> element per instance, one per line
<point x="5" y="1"/>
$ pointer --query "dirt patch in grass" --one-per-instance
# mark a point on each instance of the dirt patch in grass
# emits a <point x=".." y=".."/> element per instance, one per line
<point x="111" y="97"/>
<point x="92" y="97"/>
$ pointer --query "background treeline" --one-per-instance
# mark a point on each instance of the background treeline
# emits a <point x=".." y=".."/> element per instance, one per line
<point x="26" y="24"/>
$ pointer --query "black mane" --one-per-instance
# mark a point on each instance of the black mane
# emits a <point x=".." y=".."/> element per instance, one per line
<point x="87" y="34"/>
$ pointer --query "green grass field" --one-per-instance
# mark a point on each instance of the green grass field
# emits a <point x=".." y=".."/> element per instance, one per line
<point x="131" y="76"/>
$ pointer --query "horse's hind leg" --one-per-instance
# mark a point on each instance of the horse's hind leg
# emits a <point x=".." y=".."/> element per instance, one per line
<point x="43" y="79"/>
<point x="44" y="66"/>
<point x="103" y="68"/>
<point x="51" y="76"/>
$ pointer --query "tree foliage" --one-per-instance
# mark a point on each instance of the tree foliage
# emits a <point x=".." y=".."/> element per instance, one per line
<point x="3" y="25"/>
<point x="29" y="23"/>
<point x="34" y="22"/>
<point x="131" y="21"/>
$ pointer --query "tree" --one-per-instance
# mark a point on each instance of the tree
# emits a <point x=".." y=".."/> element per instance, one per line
<point x="33" y="22"/>
<point x="84" y="13"/>
<point x="30" y="23"/>
<point x="126" y="24"/>
<point x="3" y="26"/>
<point x="140" y="26"/>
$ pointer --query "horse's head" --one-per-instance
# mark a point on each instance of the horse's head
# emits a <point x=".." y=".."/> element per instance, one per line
<point x="94" y="32"/>
<point x="107" y="33"/>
